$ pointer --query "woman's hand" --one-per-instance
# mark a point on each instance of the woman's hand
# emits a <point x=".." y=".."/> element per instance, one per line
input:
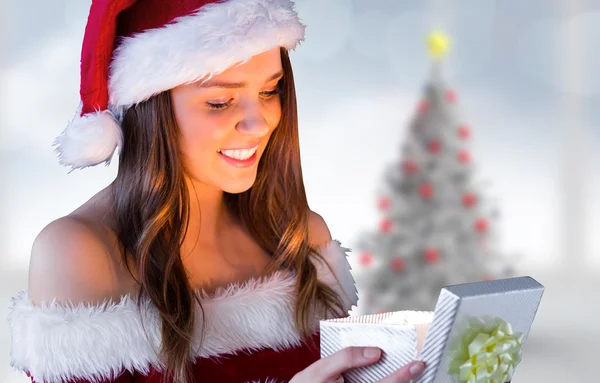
<point x="330" y="369"/>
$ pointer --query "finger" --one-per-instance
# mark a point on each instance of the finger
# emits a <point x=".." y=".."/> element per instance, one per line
<point x="405" y="374"/>
<point x="332" y="366"/>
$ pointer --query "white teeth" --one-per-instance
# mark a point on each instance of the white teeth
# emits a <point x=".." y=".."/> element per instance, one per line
<point x="240" y="154"/>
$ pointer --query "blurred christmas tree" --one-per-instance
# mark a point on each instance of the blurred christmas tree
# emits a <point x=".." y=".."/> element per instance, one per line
<point x="437" y="228"/>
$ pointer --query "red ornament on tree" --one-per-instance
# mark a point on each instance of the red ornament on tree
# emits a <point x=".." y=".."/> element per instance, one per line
<point x="469" y="199"/>
<point x="397" y="264"/>
<point x="410" y="167"/>
<point x="426" y="191"/>
<point x="451" y="96"/>
<point x="435" y="146"/>
<point x="432" y="255"/>
<point x="423" y="106"/>
<point x="384" y="203"/>
<point x="464" y="156"/>
<point x="481" y="225"/>
<point x="385" y="225"/>
<point x="464" y="132"/>
<point x="365" y="259"/>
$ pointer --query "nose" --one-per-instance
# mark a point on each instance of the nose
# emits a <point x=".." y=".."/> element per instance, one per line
<point x="253" y="121"/>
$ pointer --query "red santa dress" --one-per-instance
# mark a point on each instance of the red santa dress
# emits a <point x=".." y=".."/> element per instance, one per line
<point x="250" y="335"/>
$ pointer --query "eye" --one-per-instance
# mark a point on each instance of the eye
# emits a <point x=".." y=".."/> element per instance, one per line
<point x="270" y="93"/>
<point x="218" y="106"/>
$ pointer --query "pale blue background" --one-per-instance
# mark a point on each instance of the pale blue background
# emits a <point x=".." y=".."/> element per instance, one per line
<point x="358" y="76"/>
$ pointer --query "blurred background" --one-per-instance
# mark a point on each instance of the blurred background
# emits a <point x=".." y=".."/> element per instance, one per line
<point x="528" y="86"/>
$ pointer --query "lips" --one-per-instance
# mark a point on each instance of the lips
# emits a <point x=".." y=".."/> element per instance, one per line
<point x="240" y="163"/>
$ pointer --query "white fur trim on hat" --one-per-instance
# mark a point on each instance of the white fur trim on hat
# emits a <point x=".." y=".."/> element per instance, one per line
<point x="57" y="342"/>
<point x="89" y="139"/>
<point x="208" y="42"/>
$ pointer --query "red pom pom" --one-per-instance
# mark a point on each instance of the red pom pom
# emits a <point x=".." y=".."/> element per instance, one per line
<point x="481" y="225"/>
<point x="426" y="191"/>
<point x="451" y="96"/>
<point x="397" y="264"/>
<point x="423" y="106"/>
<point x="432" y="256"/>
<point x="464" y="132"/>
<point x="365" y="259"/>
<point x="409" y="167"/>
<point x="469" y="199"/>
<point x="385" y="225"/>
<point x="464" y="156"/>
<point x="384" y="203"/>
<point x="435" y="146"/>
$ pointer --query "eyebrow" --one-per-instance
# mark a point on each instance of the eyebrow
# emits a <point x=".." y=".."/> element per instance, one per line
<point x="233" y="85"/>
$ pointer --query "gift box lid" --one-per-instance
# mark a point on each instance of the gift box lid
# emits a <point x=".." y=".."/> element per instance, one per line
<point x="480" y="326"/>
<point x="498" y="286"/>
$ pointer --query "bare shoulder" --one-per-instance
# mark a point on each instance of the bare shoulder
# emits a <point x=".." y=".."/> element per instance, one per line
<point x="71" y="261"/>
<point x="318" y="232"/>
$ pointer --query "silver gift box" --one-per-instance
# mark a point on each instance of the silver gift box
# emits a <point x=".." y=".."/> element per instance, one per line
<point x="474" y="324"/>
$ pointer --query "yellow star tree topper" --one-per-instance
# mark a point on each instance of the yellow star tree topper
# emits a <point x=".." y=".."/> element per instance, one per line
<point x="438" y="44"/>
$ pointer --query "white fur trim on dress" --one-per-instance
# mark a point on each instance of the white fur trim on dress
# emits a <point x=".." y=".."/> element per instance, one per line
<point x="347" y="290"/>
<point x="207" y="42"/>
<point x="57" y="342"/>
<point x="89" y="139"/>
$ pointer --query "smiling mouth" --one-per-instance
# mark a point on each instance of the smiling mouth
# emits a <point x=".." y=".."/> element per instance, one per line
<point x="239" y="154"/>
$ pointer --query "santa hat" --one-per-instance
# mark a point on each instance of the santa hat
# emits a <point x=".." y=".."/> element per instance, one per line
<point x="134" y="49"/>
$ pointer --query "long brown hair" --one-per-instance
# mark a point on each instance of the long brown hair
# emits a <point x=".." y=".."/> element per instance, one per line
<point x="152" y="211"/>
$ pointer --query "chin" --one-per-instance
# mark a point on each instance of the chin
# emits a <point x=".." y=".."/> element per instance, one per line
<point x="238" y="186"/>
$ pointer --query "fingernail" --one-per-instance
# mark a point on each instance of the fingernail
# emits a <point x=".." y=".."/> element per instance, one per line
<point x="417" y="368"/>
<point x="371" y="352"/>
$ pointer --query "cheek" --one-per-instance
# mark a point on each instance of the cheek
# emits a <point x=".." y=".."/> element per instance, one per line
<point x="273" y="114"/>
<point x="202" y="135"/>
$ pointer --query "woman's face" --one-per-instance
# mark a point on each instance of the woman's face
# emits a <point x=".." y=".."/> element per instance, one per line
<point x="226" y="121"/>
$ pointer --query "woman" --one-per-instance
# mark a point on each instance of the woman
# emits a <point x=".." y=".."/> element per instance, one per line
<point x="201" y="262"/>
